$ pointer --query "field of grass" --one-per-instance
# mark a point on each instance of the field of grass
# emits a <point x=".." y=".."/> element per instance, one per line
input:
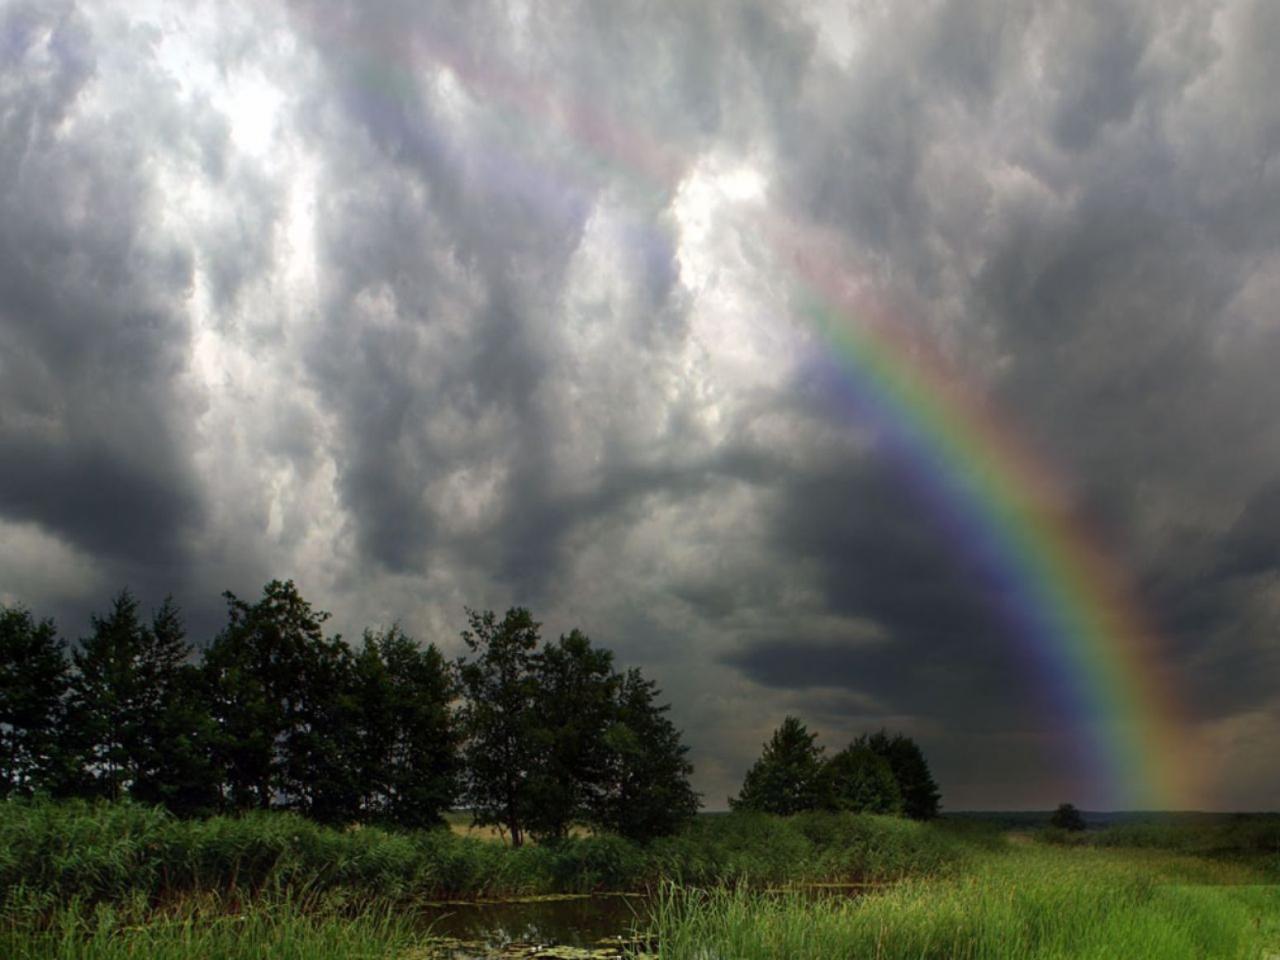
<point x="106" y="881"/>
<point x="1024" y="903"/>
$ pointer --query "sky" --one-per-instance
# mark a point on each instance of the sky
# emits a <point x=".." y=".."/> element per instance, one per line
<point x="483" y="304"/>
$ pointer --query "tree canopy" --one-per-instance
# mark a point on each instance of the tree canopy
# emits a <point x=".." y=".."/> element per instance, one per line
<point x="555" y="736"/>
<point x="860" y="781"/>
<point x="33" y="685"/>
<point x="877" y="773"/>
<point x="786" y="778"/>
<point x="275" y="713"/>
<point x="1067" y="817"/>
<point x="920" y="794"/>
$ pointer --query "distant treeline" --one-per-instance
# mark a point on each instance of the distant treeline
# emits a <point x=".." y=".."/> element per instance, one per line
<point x="532" y="736"/>
<point x="876" y="773"/>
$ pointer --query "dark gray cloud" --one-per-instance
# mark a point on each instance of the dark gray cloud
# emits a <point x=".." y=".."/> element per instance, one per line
<point x="471" y="303"/>
<point x="94" y="331"/>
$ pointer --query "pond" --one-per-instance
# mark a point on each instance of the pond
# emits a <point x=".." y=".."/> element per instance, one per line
<point x="586" y="927"/>
<point x="571" y="927"/>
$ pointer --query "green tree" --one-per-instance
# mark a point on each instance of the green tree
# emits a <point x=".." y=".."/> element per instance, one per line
<point x="407" y="749"/>
<point x="33" y="683"/>
<point x="860" y="781"/>
<point x="646" y="791"/>
<point x="1067" y="817"/>
<point x="280" y="699"/>
<point x="575" y="704"/>
<point x="499" y="718"/>
<point x="174" y="743"/>
<point x="137" y="717"/>
<point x="786" y="778"/>
<point x="111" y="700"/>
<point x="920" y="795"/>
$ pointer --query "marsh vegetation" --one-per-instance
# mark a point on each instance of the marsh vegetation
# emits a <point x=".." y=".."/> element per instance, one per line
<point x="107" y="880"/>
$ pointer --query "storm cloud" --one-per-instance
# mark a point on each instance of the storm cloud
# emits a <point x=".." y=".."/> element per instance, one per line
<point x="433" y="305"/>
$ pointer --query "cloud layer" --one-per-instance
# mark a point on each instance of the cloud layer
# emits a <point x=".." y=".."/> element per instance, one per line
<point x="433" y="305"/>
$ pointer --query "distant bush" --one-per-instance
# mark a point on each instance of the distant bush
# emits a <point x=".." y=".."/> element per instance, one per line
<point x="1068" y="818"/>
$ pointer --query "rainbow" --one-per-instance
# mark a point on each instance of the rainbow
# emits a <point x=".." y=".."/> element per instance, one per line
<point x="1068" y="602"/>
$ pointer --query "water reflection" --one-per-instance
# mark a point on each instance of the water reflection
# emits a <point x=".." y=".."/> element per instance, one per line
<point x="489" y="929"/>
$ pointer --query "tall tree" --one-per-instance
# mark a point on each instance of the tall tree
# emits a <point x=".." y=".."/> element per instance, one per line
<point x="785" y="780"/>
<point x="499" y="717"/>
<point x="575" y="706"/>
<point x="175" y="766"/>
<point x="33" y="683"/>
<point x="646" y="790"/>
<point x="407" y="738"/>
<point x="111" y="698"/>
<point x="279" y="697"/>
<point x="920" y="795"/>
<point x="861" y="781"/>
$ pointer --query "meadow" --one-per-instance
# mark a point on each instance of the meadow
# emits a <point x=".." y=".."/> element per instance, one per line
<point x="83" y="880"/>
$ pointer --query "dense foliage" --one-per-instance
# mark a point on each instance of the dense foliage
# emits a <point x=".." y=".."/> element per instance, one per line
<point x="555" y="736"/>
<point x="79" y="851"/>
<point x="920" y="795"/>
<point x="275" y="714"/>
<point x="33" y="684"/>
<point x="877" y="773"/>
<point x="786" y="778"/>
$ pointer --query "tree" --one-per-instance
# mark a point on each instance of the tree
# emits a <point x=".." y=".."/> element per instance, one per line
<point x="861" y="781"/>
<point x="279" y="697"/>
<point x="785" y="780"/>
<point x="33" y="682"/>
<point x="920" y="796"/>
<point x="174" y="763"/>
<point x="406" y="754"/>
<point x="137" y="716"/>
<point x="499" y="717"/>
<point x="112" y="700"/>
<point x="575" y="694"/>
<point x="1067" y="817"/>
<point x="646" y="789"/>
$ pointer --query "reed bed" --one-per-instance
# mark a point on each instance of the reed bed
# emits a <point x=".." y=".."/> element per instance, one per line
<point x="287" y="927"/>
<point x="53" y="854"/>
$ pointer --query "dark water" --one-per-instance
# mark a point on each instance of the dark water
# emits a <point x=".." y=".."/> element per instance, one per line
<point x="563" y="921"/>
<point x="513" y="928"/>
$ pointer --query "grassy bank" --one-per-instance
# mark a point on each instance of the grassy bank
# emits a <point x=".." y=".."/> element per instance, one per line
<point x="1030" y="903"/>
<point x="53" y="854"/>
<point x="81" y="881"/>
<point x="288" y="928"/>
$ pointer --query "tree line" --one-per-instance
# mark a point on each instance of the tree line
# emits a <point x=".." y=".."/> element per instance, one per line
<point x="876" y="773"/>
<point x="532" y="736"/>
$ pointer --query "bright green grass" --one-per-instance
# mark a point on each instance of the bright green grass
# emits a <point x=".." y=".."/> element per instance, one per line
<point x="1028" y="902"/>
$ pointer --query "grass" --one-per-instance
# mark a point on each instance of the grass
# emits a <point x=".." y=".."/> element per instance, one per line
<point x="53" y="854"/>
<point x="1250" y="834"/>
<point x="288" y="928"/>
<point x="1025" y="903"/>
<point x="81" y="880"/>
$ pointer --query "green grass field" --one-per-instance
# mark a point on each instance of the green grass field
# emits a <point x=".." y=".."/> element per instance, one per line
<point x="84" y="881"/>
<point x="1023" y="902"/>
